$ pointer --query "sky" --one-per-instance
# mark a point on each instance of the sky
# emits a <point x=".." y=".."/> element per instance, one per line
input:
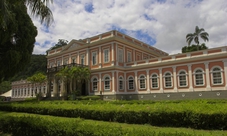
<point x="163" y="24"/>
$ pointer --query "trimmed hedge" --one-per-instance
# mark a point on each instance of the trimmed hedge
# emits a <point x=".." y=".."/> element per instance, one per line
<point x="38" y="125"/>
<point x="203" y="114"/>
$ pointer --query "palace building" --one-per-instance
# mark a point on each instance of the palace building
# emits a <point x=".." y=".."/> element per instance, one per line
<point x="122" y="66"/>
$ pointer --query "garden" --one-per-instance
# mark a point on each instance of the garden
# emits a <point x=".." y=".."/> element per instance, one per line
<point x="97" y="117"/>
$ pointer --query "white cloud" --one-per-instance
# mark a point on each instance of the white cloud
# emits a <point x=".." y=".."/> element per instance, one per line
<point x="167" y="22"/>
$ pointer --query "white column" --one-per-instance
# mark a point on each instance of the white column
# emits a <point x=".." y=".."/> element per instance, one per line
<point x="161" y="78"/>
<point x="100" y="82"/>
<point x="117" y="82"/>
<point x="225" y="73"/>
<point x="100" y="57"/>
<point x="191" y="89"/>
<point x="148" y="82"/>
<point x="62" y="60"/>
<point x="116" y="52"/>
<point x="136" y="82"/>
<point x="134" y="55"/>
<point x="208" y="88"/>
<point x="125" y="83"/>
<point x="175" y="79"/>
<point x="70" y="59"/>
<point x="87" y="57"/>
<point x="112" y="54"/>
<point x="113" y="82"/>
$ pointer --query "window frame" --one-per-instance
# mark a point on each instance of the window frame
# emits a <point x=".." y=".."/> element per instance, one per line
<point x="94" y="85"/>
<point x="106" y="59"/>
<point x="142" y="79"/>
<point x="179" y="75"/>
<point x="194" y="76"/>
<point x="133" y="82"/>
<point x="94" y="56"/>
<point x="82" y="57"/>
<point x="129" y="56"/>
<point x="221" y="75"/>
<point x="168" y="76"/>
<point x="107" y="81"/>
<point x="120" y="55"/>
<point x="121" y="79"/>
<point x="151" y="80"/>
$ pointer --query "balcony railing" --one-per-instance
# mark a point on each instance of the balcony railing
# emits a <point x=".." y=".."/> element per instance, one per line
<point x="58" y="68"/>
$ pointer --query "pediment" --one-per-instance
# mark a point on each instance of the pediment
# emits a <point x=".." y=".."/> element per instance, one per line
<point x="73" y="45"/>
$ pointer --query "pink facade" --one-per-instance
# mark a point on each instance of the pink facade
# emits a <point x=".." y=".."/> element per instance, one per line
<point x="123" y="65"/>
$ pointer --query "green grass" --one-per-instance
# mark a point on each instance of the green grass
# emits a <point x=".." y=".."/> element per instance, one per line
<point x="131" y="129"/>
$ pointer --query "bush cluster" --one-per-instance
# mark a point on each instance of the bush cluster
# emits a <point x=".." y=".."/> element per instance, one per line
<point x="197" y="114"/>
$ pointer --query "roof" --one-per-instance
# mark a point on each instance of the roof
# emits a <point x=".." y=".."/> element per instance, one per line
<point x="7" y="94"/>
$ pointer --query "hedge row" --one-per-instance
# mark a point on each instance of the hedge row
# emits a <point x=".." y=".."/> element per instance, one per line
<point x="185" y="115"/>
<point x="38" y="125"/>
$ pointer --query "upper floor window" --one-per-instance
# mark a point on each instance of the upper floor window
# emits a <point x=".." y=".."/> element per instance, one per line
<point x="130" y="83"/>
<point x="65" y="62"/>
<point x="199" y="77"/>
<point x="168" y="79"/>
<point x="182" y="78"/>
<point x="94" y="58"/>
<point x="217" y="75"/>
<point x="142" y="81"/>
<point x="129" y="56"/>
<point x="120" y="55"/>
<point x="82" y="59"/>
<point x="121" y="83"/>
<point x="154" y="81"/>
<point x="106" y="55"/>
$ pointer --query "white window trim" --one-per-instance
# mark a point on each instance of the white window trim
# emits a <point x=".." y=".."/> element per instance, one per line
<point x="129" y="53"/>
<point x="133" y="83"/>
<point x="92" y="83"/>
<point x="120" y="58"/>
<point x="74" y="59"/>
<point x="122" y="83"/>
<point x="104" y="82"/>
<point x="145" y="81"/>
<point x="157" y="80"/>
<point x="195" y="78"/>
<point x="171" y="78"/>
<point x="94" y="52"/>
<point x="104" y="55"/>
<point x="178" y="77"/>
<point x="211" y="72"/>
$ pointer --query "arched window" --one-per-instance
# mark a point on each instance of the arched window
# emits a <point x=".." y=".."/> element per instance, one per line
<point x="168" y="80"/>
<point x="130" y="83"/>
<point x="182" y="78"/>
<point x="154" y="81"/>
<point x="199" y="77"/>
<point x="107" y="83"/>
<point x="142" y="81"/>
<point x="217" y="75"/>
<point x="121" y="83"/>
<point x="95" y="84"/>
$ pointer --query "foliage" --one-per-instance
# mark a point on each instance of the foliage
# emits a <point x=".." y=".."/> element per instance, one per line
<point x="39" y="8"/>
<point x="16" y="53"/>
<point x="198" y="114"/>
<point x="35" y="125"/>
<point x="199" y="33"/>
<point x="5" y="86"/>
<point x="193" y="48"/>
<point x="37" y="78"/>
<point x="61" y="42"/>
<point x="37" y="64"/>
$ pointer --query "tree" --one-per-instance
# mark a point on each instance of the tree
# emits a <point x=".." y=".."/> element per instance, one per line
<point x="5" y="86"/>
<point x="83" y="76"/>
<point x="38" y="78"/>
<point x="193" y="48"/>
<point x="15" y="54"/>
<point x="39" y="8"/>
<point x="61" y="42"/>
<point x="199" y="33"/>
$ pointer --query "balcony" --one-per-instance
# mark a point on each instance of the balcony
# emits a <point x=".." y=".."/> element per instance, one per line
<point x="58" y="68"/>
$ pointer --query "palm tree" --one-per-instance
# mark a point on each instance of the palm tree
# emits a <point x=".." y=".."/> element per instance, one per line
<point x="39" y="8"/>
<point x="83" y="76"/>
<point x="199" y="33"/>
